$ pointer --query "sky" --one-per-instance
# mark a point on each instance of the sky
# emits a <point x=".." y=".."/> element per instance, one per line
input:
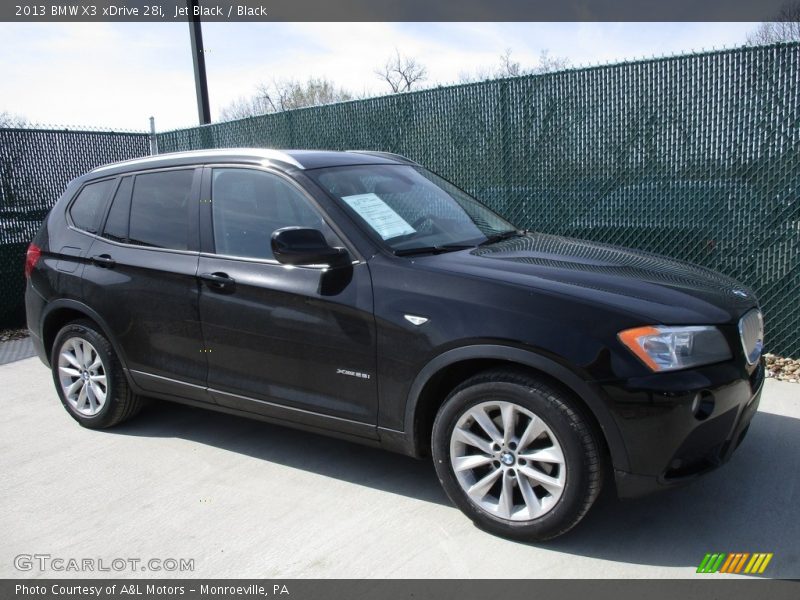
<point x="117" y="75"/>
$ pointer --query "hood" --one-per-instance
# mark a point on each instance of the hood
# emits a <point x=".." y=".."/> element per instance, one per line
<point x="655" y="288"/>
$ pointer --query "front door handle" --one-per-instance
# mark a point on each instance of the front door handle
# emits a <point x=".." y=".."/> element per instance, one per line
<point x="219" y="282"/>
<point x="103" y="260"/>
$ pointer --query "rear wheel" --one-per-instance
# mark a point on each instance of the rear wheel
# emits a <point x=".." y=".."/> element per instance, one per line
<point x="516" y="455"/>
<point x="89" y="377"/>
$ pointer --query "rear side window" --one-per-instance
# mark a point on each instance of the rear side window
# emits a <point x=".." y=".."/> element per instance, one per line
<point x="117" y="222"/>
<point x="88" y="208"/>
<point x="160" y="209"/>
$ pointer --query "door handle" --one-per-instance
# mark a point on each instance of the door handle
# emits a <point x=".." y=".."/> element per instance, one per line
<point x="218" y="281"/>
<point x="103" y="260"/>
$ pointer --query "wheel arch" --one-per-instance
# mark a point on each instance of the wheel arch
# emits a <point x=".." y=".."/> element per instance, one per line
<point x="451" y="367"/>
<point x="60" y="312"/>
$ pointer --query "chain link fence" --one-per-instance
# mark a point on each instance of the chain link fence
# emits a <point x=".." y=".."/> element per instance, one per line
<point x="35" y="167"/>
<point x="696" y="157"/>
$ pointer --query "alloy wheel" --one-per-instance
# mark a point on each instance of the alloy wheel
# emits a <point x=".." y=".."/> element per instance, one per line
<point x="82" y="376"/>
<point x="508" y="461"/>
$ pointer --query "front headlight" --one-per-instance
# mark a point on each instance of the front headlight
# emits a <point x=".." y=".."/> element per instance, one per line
<point x="673" y="348"/>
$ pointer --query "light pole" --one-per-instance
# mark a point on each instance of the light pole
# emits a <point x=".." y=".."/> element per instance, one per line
<point x="199" y="62"/>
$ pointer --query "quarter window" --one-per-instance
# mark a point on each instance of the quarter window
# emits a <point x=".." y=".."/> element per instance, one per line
<point x="248" y="206"/>
<point x="88" y="208"/>
<point x="160" y="209"/>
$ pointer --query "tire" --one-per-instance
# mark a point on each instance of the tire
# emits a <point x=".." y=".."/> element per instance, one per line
<point x="551" y="451"/>
<point x="82" y="359"/>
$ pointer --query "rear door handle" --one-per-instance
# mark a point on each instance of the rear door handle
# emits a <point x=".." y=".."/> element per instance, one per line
<point x="103" y="260"/>
<point x="218" y="281"/>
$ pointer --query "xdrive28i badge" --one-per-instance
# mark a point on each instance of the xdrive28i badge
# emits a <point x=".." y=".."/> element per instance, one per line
<point x="350" y="373"/>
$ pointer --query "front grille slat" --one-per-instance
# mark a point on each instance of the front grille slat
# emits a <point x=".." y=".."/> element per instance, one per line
<point x="751" y="332"/>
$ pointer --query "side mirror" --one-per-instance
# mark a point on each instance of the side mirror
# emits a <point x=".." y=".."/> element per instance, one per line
<point x="303" y="246"/>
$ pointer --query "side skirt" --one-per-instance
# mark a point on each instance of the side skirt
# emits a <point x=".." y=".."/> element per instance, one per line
<point x="251" y="408"/>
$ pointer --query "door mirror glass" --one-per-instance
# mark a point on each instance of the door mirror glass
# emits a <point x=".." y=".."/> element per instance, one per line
<point x="304" y="246"/>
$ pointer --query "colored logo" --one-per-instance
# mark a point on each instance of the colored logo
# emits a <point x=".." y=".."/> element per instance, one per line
<point x="737" y="562"/>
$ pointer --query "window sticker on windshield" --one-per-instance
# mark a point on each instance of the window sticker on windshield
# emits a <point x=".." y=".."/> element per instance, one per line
<point x="379" y="215"/>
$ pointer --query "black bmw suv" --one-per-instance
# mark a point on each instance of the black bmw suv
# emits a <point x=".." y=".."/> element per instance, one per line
<point x="359" y="295"/>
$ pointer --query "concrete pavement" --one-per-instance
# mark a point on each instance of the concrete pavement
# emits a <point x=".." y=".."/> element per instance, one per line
<point x="14" y="350"/>
<point x="248" y="499"/>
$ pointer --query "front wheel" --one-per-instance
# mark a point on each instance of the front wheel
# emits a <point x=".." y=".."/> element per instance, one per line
<point x="516" y="455"/>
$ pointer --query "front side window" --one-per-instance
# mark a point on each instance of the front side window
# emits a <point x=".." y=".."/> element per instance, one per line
<point x="88" y="208"/>
<point x="160" y="209"/>
<point x="248" y="205"/>
<point x="411" y="208"/>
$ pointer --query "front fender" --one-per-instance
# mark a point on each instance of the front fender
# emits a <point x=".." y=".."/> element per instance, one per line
<point x="587" y="392"/>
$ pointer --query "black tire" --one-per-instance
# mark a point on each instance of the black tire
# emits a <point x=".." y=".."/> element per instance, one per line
<point x="120" y="402"/>
<point x="581" y="453"/>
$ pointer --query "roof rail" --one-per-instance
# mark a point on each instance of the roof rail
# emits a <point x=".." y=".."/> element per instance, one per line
<point x="397" y="157"/>
<point x="262" y="153"/>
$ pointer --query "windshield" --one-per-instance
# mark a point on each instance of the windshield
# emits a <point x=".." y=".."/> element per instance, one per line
<point x="410" y="208"/>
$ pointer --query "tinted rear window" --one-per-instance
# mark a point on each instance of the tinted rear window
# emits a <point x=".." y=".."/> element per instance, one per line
<point x="160" y="209"/>
<point x="88" y="208"/>
<point x="117" y="222"/>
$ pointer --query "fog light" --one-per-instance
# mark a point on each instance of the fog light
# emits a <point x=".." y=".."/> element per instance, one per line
<point x="703" y="405"/>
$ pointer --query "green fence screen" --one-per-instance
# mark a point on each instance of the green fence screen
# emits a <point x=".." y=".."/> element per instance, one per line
<point x="695" y="156"/>
<point x="35" y="167"/>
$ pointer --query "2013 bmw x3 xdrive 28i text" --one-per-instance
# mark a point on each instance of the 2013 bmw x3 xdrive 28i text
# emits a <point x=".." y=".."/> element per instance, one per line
<point x="360" y="295"/>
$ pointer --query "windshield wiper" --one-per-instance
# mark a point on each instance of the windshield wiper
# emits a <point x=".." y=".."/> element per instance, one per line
<point x="499" y="237"/>
<point x="432" y="249"/>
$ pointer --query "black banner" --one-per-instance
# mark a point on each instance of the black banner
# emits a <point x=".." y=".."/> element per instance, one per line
<point x="418" y="589"/>
<point x="390" y="10"/>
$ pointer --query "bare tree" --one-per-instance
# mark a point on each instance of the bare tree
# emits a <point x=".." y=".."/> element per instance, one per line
<point x="510" y="68"/>
<point x="549" y="64"/>
<point x="242" y="108"/>
<point x="8" y="119"/>
<point x="286" y="94"/>
<point x="402" y="72"/>
<point x="507" y="68"/>
<point x="289" y="95"/>
<point x="785" y="27"/>
<point x="480" y="74"/>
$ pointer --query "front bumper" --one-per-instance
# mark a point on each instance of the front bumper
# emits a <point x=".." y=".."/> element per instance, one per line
<point x="666" y="441"/>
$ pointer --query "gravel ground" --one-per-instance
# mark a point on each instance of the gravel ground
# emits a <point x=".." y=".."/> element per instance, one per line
<point x="783" y="369"/>
<point x="8" y="335"/>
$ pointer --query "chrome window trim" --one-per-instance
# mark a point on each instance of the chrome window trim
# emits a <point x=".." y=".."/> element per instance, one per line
<point x="268" y="261"/>
<point x="136" y="246"/>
